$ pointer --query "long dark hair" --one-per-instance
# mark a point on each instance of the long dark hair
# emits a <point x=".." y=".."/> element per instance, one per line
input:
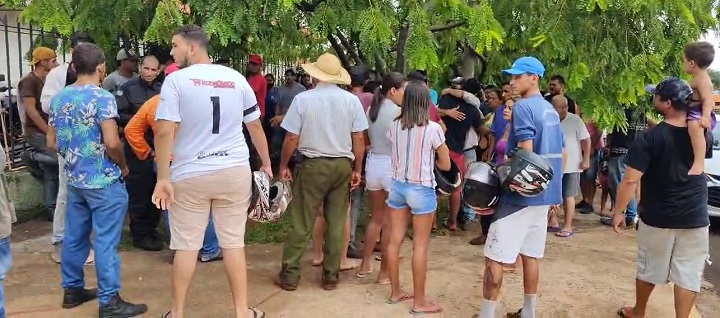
<point x="389" y="81"/>
<point x="415" y="106"/>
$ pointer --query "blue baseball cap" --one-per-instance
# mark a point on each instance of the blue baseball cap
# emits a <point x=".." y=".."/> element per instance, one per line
<point x="526" y="65"/>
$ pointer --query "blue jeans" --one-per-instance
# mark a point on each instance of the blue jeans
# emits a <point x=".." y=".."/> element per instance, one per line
<point x="5" y="262"/>
<point x="210" y="246"/>
<point x="101" y="211"/>
<point x="469" y="156"/>
<point x="616" y="170"/>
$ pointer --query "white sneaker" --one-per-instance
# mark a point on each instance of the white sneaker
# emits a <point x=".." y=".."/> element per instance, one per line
<point x="56" y="258"/>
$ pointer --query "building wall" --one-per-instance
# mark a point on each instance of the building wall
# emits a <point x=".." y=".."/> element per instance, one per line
<point x="16" y="38"/>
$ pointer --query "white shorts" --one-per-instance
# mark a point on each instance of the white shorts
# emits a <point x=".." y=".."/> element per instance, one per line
<point x="523" y="232"/>
<point x="378" y="172"/>
<point x="672" y="255"/>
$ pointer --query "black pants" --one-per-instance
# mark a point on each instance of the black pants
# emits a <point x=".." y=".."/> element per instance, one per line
<point x="140" y="183"/>
<point x="485" y="221"/>
<point x="255" y="161"/>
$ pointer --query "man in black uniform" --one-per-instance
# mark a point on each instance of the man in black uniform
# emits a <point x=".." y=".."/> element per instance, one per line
<point x="140" y="183"/>
<point x="456" y="134"/>
<point x="673" y="231"/>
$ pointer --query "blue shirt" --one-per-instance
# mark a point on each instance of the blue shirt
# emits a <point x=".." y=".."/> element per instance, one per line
<point x="76" y="113"/>
<point x="497" y="128"/>
<point x="533" y="118"/>
<point x="434" y="96"/>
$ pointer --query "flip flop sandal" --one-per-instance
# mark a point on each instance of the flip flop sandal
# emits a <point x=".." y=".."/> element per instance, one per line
<point x="564" y="234"/>
<point x="404" y="298"/>
<point x="625" y="312"/>
<point x="383" y="282"/>
<point x="450" y="228"/>
<point x="355" y="266"/>
<point x="363" y="274"/>
<point x="314" y="264"/>
<point x="438" y="309"/>
<point x="553" y="229"/>
<point x="257" y="313"/>
<point x="166" y="315"/>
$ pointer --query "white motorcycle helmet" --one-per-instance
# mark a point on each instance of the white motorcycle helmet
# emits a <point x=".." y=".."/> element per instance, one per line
<point x="268" y="202"/>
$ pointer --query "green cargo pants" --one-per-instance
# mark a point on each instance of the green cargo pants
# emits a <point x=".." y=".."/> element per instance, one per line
<point x="319" y="182"/>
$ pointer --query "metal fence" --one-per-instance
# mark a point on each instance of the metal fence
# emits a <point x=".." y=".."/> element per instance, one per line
<point x="19" y="40"/>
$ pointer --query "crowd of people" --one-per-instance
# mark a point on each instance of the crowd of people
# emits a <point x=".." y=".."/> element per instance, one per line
<point x="142" y="143"/>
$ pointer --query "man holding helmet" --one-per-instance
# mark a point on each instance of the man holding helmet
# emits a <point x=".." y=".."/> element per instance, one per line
<point x="535" y="149"/>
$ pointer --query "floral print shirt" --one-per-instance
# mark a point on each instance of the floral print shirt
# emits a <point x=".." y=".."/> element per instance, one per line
<point x="76" y="113"/>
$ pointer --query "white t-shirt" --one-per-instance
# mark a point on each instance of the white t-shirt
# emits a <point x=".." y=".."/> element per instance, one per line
<point x="209" y="103"/>
<point x="574" y="130"/>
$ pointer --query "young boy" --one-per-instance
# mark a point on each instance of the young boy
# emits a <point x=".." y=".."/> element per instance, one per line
<point x="697" y="56"/>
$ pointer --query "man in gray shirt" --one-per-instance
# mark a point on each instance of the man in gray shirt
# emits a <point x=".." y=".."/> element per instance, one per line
<point x="326" y="126"/>
<point x="285" y="95"/>
<point x="125" y="72"/>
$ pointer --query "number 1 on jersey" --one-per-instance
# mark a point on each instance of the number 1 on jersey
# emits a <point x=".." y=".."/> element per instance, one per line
<point x="216" y="114"/>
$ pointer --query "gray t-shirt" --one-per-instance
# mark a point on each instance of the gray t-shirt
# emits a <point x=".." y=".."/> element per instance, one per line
<point x="285" y="95"/>
<point x="377" y="130"/>
<point x="115" y="80"/>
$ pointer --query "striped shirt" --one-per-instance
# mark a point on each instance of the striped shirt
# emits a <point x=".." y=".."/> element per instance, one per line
<point x="413" y="152"/>
<point x="324" y="118"/>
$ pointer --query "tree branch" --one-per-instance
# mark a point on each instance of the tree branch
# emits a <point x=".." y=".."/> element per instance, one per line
<point x="379" y="64"/>
<point x="400" y="53"/>
<point x="339" y="51"/>
<point x="445" y="27"/>
<point x="349" y="48"/>
<point x="438" y="28"/>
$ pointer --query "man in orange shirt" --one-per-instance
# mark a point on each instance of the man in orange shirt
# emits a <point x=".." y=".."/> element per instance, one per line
<point x="142" y="125"/>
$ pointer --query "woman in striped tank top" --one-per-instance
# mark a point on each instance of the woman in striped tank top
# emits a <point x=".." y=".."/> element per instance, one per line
<point x="416" y="143"/>
<point x="378" y="168"/>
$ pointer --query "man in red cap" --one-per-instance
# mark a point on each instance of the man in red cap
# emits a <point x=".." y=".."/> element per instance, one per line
<point x="257" y="80"/>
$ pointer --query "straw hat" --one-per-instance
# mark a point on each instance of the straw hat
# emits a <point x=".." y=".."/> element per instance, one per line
<point x="328" y="69"/>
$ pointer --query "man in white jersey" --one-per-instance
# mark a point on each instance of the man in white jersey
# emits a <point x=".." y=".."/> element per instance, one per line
<point x="202" y="106"/>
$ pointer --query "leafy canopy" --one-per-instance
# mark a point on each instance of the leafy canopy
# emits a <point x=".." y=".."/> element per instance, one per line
<point x="606" y="49"/>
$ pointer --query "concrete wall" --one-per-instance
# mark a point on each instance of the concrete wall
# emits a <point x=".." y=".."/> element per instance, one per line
<point x="26" y="193"/>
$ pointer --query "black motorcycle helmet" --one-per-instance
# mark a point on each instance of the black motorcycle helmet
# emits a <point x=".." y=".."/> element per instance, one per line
<point x="525" y="173"/>
<point x="447" y="181"/>
<point x="481" y="187"/>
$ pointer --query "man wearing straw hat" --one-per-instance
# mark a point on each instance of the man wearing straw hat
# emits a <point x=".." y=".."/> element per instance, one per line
<point x="326" y="126"/>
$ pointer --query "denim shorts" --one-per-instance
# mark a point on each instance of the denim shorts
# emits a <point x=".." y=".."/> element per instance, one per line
<point x="420" y="199"/>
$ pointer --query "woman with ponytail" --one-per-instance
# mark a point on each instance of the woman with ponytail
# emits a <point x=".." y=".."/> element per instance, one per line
<point x="378" y="169"/>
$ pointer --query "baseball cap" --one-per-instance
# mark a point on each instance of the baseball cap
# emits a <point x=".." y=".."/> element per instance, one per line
<point x="41" y="54"/>
<point x="255" y="59"/>
<point x="673" y="89"/>
<point x="526" y="65"/>
<point x="125" y="54"/>
<point x="171" y="68"/>
<point x="359" y="74"/>
<point x="417" y="75"/>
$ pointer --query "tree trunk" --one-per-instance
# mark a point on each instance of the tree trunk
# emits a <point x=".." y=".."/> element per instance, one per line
<point x="349" y="48"/>
<point x="468" y="63"/>
<point x="400" y="53"/>
<point x="339" y="51"/>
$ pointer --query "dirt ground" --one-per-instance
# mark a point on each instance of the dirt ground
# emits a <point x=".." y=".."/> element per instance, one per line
<point x="587" y="275"/>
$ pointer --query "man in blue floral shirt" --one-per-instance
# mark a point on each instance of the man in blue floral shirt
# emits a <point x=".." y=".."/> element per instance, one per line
<point x="83" y="129"/>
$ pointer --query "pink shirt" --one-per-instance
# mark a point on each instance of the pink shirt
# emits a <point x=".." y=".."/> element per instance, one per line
<point x="413" y="152"/>
<point x="595" y="134"/>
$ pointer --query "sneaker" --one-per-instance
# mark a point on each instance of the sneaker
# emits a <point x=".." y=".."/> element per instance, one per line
<point x="217" y="256"/>
<point x="74" y="297"/>
<point x="148" y="243"/>
<point x="118" y="308"/>
<point x="584" y="208"/>
<point x="57" y="251"/>
<point x="354" y="253"/>
<point x="480" y="240"/>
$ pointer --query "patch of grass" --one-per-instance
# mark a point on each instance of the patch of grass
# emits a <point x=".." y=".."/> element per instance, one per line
<point x="262" y="233"/>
